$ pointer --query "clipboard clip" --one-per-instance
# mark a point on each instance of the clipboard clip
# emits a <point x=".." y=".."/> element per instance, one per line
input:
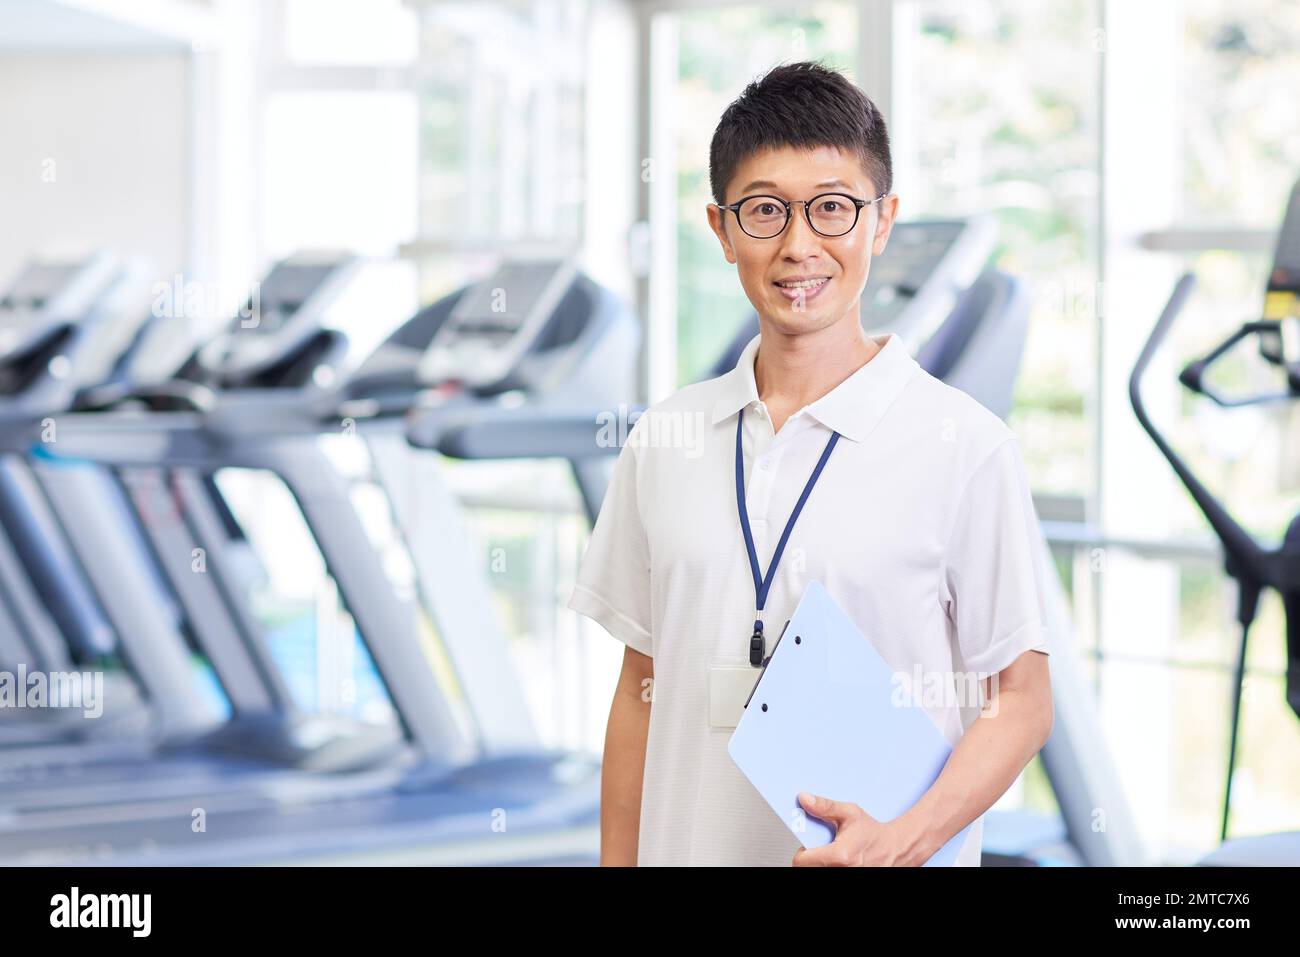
<point x="759" y="680"/>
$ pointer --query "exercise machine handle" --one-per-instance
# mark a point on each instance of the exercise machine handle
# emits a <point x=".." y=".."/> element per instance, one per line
<point x="1246" y="560"/>
<point x="1193" y="375"/>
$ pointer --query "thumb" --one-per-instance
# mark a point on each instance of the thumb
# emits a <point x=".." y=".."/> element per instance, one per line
<point x="838" y="812"/>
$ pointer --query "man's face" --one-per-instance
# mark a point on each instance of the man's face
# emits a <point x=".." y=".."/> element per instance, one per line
<point x="831" y="271"/>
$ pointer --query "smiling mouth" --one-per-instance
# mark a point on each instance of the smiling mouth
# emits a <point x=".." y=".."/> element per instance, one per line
<point x="801" y="292"/>
<point x="802" y="283"/>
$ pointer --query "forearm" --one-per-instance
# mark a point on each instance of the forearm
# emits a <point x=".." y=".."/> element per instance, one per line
<point x="985" y="763"/>
<point x="621" y="778"/>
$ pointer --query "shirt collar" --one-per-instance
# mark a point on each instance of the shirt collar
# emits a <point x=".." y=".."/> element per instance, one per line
<point x="852" y="408"/>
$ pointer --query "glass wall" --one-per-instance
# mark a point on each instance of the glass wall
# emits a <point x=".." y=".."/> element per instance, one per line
<point x="1003" y="101"/>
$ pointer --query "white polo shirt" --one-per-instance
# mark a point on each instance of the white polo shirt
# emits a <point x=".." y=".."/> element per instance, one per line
<point x="921" y="527"/>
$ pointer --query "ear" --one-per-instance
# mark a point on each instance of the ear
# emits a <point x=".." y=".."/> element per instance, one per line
<point x="888" y="213"/>
<point x="717" y="222"/>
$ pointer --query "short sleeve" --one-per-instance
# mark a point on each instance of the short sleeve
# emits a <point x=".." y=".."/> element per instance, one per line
<point x="992" y="586"/>
<point x="613" y="586"/>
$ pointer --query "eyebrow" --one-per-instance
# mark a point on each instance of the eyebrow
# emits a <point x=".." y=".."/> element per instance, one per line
<point x="767" y="184"/>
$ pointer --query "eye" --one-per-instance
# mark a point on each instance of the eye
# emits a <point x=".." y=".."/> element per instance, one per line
<point x="830" y="206"/>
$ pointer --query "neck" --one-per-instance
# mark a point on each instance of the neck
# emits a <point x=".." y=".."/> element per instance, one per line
<point x="797" y="370"/>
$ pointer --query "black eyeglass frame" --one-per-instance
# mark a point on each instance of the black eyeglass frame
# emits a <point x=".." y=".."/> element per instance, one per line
<point x="858" y="205"/>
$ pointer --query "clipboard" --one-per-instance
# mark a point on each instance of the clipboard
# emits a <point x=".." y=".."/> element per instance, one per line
<point x="822" y="718"/>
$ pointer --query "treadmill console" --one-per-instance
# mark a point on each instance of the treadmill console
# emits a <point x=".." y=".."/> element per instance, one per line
<point x="496" y="322"/>
<point x="38" y="313"/>
<point x="47" y="296"/>
<point x="916" y="281"/>
<point x="285" y="313"/>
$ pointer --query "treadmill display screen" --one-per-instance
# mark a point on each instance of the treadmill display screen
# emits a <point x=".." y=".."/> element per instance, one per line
<point x="37" y="284"/>
<point x="914" y="253"/>
<point x="500" y="305"/>
<point x="283" y="292"/>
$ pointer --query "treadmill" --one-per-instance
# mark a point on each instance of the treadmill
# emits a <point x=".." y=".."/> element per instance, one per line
<point x="475" y="753"/>
<point x="265" y="740"/>
<point x="59" y="319"/>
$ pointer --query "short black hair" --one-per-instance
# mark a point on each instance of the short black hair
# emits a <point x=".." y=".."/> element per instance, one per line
<point x="804" y="105"/>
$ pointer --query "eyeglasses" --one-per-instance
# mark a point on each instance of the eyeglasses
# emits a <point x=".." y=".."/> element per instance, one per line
<point x="829" y="214"/>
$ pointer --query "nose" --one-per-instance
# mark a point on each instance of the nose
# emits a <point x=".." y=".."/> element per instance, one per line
<point x="799" y="240"/>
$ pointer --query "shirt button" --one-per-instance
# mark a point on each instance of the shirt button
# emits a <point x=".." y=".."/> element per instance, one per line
<point x="765" y="464"/>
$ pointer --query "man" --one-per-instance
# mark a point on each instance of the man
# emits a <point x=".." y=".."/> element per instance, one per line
<point x="918" y="520"/>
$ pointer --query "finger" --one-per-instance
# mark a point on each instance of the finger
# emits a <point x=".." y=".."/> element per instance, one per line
<point x="828" y="855"/>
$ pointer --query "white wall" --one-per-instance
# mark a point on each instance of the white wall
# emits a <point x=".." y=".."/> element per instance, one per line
<point x="94" y="150"/>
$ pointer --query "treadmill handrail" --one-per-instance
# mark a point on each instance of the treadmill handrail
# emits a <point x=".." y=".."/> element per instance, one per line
<point x="162" y="396"/>
<point x="506" y="433"/>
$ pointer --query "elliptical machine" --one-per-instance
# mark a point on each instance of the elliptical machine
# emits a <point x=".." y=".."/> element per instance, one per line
<point x="1251" y="564"/>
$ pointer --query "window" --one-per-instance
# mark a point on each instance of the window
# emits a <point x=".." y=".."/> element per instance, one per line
<point x="1002" y="99"/>
<point x="502" y="133"/>
<point x="340" y="171"/>
<point x="347" y="33"/>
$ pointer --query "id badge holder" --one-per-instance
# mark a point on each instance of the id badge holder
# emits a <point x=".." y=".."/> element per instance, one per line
<point x="731" y="680"/>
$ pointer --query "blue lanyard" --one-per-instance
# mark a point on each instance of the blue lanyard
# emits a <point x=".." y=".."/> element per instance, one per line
<point x="761" y="584"/>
